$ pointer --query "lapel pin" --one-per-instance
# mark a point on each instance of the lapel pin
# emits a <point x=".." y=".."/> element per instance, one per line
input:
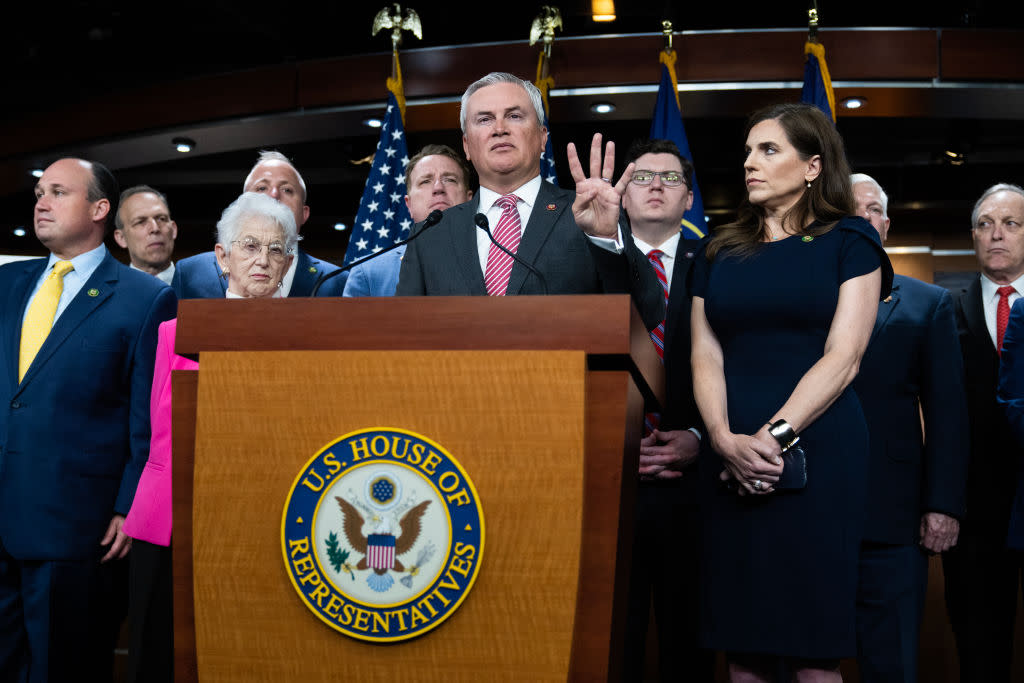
<point x="551" y="207"/>
<point x="887" y="299"/>
<point x="689" y="254"/>
<point x="312" y="269"/>
<point x="93" y="292"/>
<point x="807" y="238"/>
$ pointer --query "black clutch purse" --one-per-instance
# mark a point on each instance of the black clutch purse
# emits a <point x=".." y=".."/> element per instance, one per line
<point x="794" y="470"/>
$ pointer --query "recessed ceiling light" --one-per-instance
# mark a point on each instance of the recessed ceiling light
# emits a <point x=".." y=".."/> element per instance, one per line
<point x="853" y="102"/>
<point x="37" y="173"/>
<point x="340" y="227"/>
<point x="373" y="123"/>
<point x="602" y="108"/>
<point x="19" y="232"/>
<point x="184" y="145"/>
<point x="602" y="10"/>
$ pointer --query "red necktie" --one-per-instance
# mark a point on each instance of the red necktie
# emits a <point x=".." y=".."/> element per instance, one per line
<point x="1002" y="314"/>
<point x="507" y="234"/>
<point x="651" y="420"/>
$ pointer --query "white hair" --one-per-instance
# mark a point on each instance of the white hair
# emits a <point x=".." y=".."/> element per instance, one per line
<point x="999" y="187"/>
<point x="251" y="204"/>
<point x="494" y="78"/>
<point x="865" y="178"/>
<point x="273" y="155"/>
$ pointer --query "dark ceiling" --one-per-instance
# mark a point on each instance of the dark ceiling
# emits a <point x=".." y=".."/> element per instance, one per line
<point x="58" y="54"/>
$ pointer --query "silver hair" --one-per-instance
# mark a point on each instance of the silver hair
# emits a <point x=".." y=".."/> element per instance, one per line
<point x="865" y="178"/>
<point x="494" y="78"/>
<point x="274" y="155"/>
<point x="251" y="204"/>
<point x="999" y="187"/>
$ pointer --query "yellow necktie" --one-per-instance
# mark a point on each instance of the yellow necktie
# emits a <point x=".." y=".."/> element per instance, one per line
<point x="39" y="318"/>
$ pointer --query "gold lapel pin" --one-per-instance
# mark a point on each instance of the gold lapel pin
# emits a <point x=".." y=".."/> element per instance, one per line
<point x="312" y="269"/>
<point x="551" y="207"/>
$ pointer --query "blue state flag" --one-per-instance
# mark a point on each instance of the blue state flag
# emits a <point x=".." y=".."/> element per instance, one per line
<point x="817" y="83"/>
<point x="667" y="124"/>
<point x="547" y="159"/>
<point x="383" y="218"/>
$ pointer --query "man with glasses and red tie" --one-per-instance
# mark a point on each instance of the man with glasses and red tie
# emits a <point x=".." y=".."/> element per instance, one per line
<point x="665" y="533"/>
<point x="570" y="243"/>
<point x="983" y="576"/>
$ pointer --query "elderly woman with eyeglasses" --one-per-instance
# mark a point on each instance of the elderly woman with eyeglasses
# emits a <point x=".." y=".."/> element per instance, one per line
<point x="256" y="239"/>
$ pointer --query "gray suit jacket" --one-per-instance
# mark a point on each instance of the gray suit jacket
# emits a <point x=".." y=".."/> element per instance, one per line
<point x="444" y="261"/>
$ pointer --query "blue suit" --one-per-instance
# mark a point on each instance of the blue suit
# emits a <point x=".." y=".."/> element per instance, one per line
<point x="378" y="277"/>
<point x="1011" y="398"/>
<point x="74" y="437"/>
<point x="198" y="277"/>
<point x="912" y="366"/>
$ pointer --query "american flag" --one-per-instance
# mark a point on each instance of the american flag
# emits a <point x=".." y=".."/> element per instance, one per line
<point x="383" y="218"/>
<point x="547" y="160"/>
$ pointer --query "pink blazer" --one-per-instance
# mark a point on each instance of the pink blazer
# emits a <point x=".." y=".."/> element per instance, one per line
<point x="150" y="516"/>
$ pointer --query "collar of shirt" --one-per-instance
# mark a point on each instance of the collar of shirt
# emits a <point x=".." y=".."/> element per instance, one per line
<point x="84" y="266"/>
<point x="990" y="300"/>
<point x="486" y="197"/>
<point x="166" y="275"/>
<point x="668" y="247"/>
<point x="228" y="294"/>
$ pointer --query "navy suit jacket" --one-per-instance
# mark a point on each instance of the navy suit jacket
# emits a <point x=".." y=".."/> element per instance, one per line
<point x="198" y="277"/>
<point x="1011" y="398"/>
<point x="995" y="452"/>
<point x="445" y="260"/>
<point x="913" y="366"/>
<point x="74" y="435"/>
<point x="378" y="277"/>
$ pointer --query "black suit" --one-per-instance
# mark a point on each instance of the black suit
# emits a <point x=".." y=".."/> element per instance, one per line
<point x="982" y="575"/>
<point x="665" y="533"/>
<point x="912" y="366"/>
<point x="445" y="260"/>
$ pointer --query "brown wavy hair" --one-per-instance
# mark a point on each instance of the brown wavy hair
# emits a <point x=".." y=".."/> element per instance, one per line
<point x="829" y="198"/>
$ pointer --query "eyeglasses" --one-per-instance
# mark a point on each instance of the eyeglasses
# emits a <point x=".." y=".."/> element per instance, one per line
<point x="668" y="178"/>
<point x="251" y="248"/>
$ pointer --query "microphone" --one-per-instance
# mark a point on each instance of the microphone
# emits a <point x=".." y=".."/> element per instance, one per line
<point x="430" y="221"/>
<point x="481" y="222"/>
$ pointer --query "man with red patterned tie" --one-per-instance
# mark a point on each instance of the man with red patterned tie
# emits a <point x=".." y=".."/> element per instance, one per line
<point x="573" y="243"/>
<point x="983" y="576"/>
<point x="665" y="535"/>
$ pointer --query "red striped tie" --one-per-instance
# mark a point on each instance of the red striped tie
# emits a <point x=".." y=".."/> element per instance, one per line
<point x="651" y="420"/>
<point x="507" y="234"/>
<point x="1002" y="314"/>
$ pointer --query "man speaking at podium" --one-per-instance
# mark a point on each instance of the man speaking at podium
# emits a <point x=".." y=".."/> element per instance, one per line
<point x="563" y="242"/>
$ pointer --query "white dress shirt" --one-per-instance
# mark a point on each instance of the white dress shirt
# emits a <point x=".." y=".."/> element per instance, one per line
<point x="668" y="249"/>
<point x="165" y="275"/>
<point x="990" y="300"/>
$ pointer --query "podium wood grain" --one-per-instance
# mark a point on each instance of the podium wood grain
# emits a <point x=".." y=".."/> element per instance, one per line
<point x="514" y="420"/>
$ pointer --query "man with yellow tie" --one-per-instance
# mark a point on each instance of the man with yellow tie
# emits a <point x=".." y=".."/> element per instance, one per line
<point x="77" y="344"/>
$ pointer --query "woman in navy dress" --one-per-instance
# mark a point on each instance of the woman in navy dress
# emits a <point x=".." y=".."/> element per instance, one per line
<point x="784" y="303"/>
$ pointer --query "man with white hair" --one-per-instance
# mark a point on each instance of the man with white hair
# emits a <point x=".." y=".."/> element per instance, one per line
<point x="983" y="575"/>
<point x="199" y="277"/>
<point x="916" y="481"/>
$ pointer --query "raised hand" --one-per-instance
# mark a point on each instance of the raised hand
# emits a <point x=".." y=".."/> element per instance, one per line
<point x="596" y="208"/>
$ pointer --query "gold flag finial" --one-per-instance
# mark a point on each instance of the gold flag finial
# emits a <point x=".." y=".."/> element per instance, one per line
<point x="812" y="23"/>
<point x="392" y="18"/>
<point x="543" y="27"/>
<point x="666" y="30"/>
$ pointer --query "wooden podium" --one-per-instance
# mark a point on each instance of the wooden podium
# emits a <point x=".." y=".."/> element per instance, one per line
<point x="540" y="399"/>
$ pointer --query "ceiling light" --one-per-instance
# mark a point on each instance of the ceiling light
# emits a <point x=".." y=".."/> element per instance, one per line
<point x="853" y="102"/>
<point x="184" y="145"/>
<point x="19" y="232"/>
<point x="340" y="227"/>
<point x="373" y="123"/>
<point x="37" y="173"/>
<point x="602" y="10"/>
<point x="602" y="107"/>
